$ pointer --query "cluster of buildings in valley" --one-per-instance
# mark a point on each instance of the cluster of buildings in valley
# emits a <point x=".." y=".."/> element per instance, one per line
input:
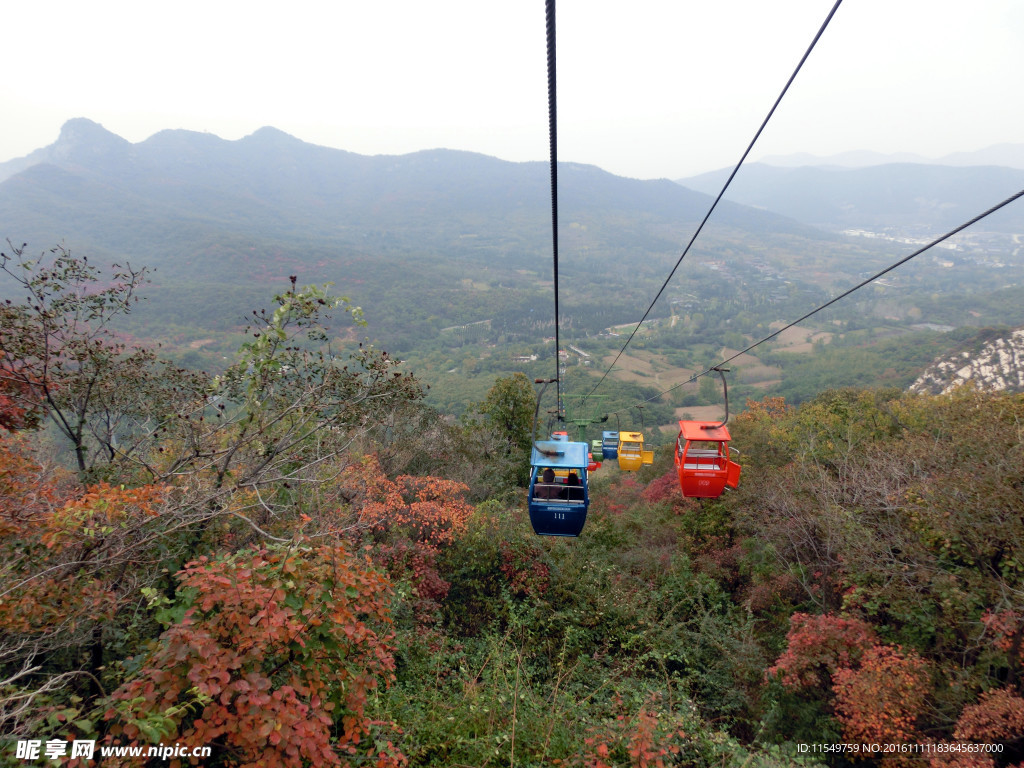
<point x="990" y="249"/>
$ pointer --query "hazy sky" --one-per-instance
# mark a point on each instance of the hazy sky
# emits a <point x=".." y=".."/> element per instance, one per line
<point x="647" y="89"/>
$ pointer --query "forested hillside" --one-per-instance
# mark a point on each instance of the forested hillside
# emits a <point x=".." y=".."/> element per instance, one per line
<point x="297" y="562"/>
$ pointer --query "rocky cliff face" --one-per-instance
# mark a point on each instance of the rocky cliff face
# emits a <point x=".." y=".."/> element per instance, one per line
<point x="995" y="365"/>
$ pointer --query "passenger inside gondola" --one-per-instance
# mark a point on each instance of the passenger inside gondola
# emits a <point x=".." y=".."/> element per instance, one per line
<point x="573" y="492"/>
<point x="547" y="488"/>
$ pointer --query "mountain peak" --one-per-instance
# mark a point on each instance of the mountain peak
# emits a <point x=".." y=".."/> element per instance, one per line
<point x="268" y="135"/>
<point x="81" y="142"/>
<point x="82" y="139"/>
<point x="82" y="130"/>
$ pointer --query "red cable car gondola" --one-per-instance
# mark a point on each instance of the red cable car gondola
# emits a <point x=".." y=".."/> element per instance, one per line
<point x="702" y="455"/>
<point x="702" y="460"/>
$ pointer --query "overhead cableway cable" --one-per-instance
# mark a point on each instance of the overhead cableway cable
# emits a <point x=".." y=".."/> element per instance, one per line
<point x="553" y="141"/>
<point x="841" y="296"/>
<point x="718" y="199"/>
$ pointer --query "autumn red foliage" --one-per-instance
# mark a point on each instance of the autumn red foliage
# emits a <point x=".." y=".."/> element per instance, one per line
<point x="818" y="646"/>
<point x="665" y="487"/>
<point x="998" y="716"/>
<point x="879" y="700"/>
<point x="276" y="646"/>
<point x="1006" y="629"/>
<point x="522" y="566"/>
<point x="428" y="510"/>
<point x="410" y="520"/>
<point x="652" y="737"/>
<point x="57" y="538"/>
<point x="19" y="393"/>
<point x="26" y="488"/>
<point x="10" y="414"/>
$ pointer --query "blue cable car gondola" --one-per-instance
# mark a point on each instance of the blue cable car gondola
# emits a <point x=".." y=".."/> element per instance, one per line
<point x="610" y="445"/>
<point x="559" y="494"/>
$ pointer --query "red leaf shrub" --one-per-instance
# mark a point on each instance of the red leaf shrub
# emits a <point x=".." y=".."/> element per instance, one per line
<point x="817" y="646"/>
<point x="881" y="699"/>
<point x="997" y="717"/>
<point x="665" y="487"/>
<point x="272" y="661"/>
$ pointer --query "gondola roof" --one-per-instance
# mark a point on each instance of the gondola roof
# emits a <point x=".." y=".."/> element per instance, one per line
<point x="564" y="455"/>
<point x="694" y="430"/>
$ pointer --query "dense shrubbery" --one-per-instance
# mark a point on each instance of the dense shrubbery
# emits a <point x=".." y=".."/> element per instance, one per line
<point x="901" y="518"/>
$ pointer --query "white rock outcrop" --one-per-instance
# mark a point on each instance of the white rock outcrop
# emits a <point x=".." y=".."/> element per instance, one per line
<point x="997" y="367"/>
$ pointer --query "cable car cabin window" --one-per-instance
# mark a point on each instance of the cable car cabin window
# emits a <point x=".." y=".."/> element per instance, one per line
<point x="545" y="491"/>
<point x="630" y="455"/>
<point x="704" y="455"/>
<point x="560" y="488"/>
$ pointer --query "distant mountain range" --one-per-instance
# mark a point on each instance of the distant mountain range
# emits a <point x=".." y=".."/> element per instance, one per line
<point x="215" y="215"/>
<point x="95" y="185"/>
<point x="912" y="198"/>
<point x="440" y="239"/>
<point x="1006" y="155"/>
<point x="397" y="233"/>
<point x="94" y="188"/>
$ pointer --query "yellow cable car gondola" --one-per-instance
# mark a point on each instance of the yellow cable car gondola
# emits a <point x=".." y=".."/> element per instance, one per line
<point x="632" y="455"/>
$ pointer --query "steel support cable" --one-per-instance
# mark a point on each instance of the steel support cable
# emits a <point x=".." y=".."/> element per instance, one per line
<point x="718" y="199"/>
<point x="841" y="296"/>
<point x="553" y="141"/>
